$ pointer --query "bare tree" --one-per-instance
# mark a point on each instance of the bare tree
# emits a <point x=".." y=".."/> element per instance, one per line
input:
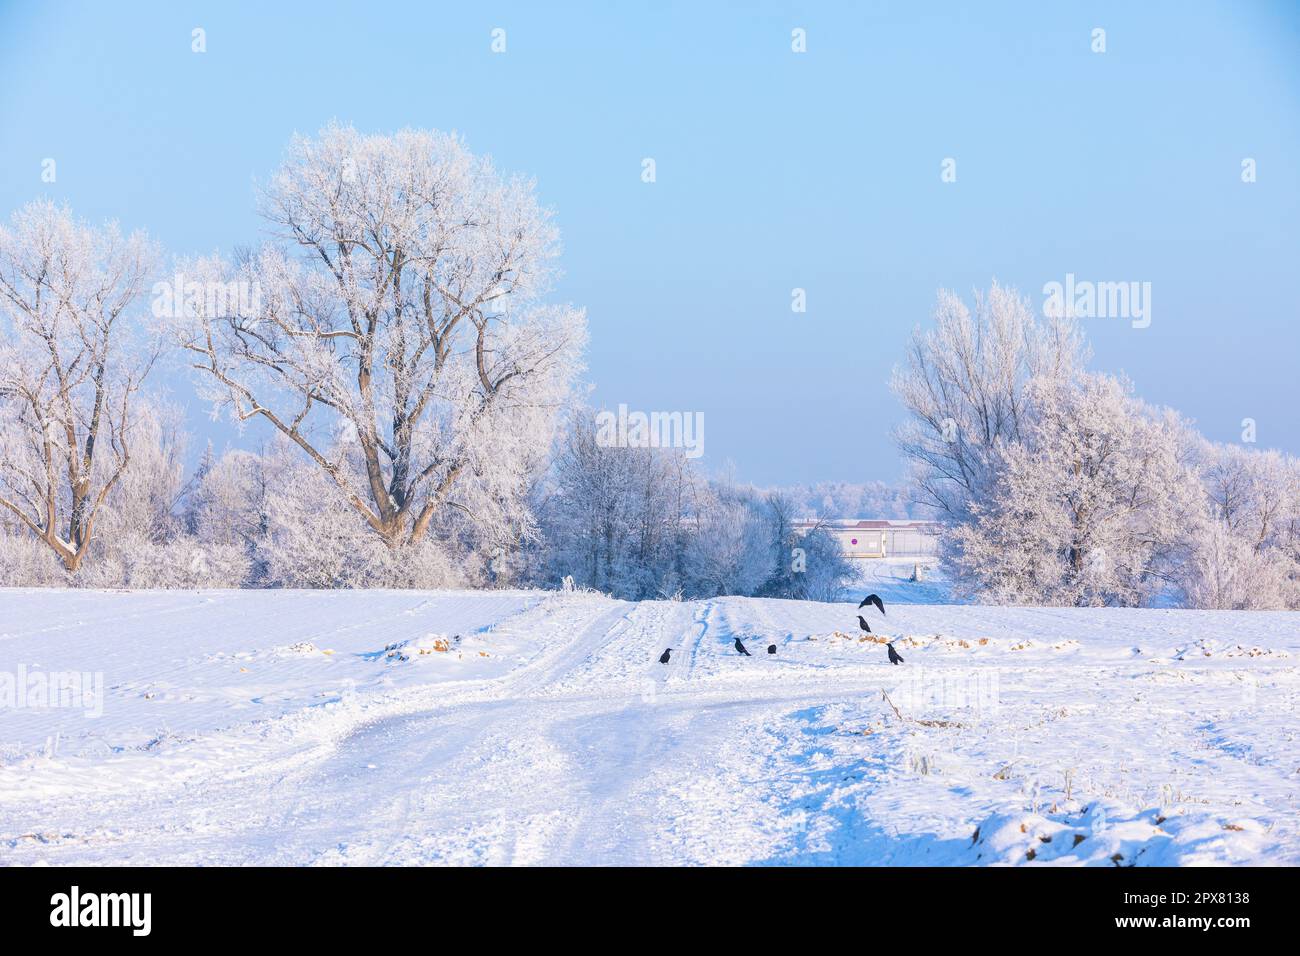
<point x="405" y="351"/>
<point x="71" y="361"/>
<point x="964" y="388"/>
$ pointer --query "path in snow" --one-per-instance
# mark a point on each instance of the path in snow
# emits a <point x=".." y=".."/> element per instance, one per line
<point x="549" y="734"/>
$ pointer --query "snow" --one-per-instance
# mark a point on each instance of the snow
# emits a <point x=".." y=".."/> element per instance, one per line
<point x="892" y="579"/>
<point x="528" y="727"/>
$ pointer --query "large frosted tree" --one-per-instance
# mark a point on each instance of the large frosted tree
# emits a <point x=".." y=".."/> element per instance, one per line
<point x="963" y="386"/>
<point x="72" y="359"/>
<point x="397" y="333"/>
<point x="1093" y="505"/>
<point x="1247" y="555"/>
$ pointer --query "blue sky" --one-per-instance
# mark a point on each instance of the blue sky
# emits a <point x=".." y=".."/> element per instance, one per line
<point x="775" y="170"/>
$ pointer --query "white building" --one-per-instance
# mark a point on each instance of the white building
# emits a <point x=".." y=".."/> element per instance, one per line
<point x="862" y="539"/>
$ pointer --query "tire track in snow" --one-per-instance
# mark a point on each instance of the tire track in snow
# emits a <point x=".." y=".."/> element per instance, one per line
<point x="591" y="752"/>
<point x="407" y="752"/>
<point x="232" y="795"/>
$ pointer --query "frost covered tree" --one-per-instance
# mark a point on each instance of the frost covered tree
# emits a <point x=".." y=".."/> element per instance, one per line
<point x="730" y="550"/>
<point x="308" y="538"/>
<point x="1254" y="493"/>
<point x="398" y="335"/>
<point x="963" y="387"/>
<point x="140" y="538"/>
<point x="826" y="571"/>
<point x="1092" y="505"/>
<point x="614" y="518"/>
<point x="807" y="566"/>
<point x="1223" y="571"/>
<point x="72" y="358"/>
<point x="639" y="523"/>
<point x="843" y="499"/>
<point x="780" y="511"/>
<point x="1246" y="556"/>
<point x="228" y="503"/>
<point x="145" y="504"/>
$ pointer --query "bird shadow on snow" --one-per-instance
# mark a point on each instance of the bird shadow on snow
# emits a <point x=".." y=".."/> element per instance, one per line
<point x="818" y="789"/>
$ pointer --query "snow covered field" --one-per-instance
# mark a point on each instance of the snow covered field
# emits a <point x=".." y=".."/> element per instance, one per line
<point x="286" y="727"/>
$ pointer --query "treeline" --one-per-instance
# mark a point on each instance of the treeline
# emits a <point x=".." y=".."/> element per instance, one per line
<point x="1058" y="486"/>
<point x="631" y="522"/>
<point x="643" y="523"/>
<point x="396" y="340"/>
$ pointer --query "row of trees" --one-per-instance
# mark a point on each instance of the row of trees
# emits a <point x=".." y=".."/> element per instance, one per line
<point x="866" y="499"/>
<point x="642" y="523"/>
<point x="631" y="522"/>
<point x="395" y="340"/>
<point x="1058" y="486"/>
<point x="394" y="337"/>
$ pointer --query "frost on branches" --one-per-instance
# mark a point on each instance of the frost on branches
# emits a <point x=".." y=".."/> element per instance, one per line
<point x="1248" y="556"/>
<point x="1091" y="506"/>
<point x="72" y="357"/>
<point x="397" y="336"/>
<point x="641" y="523"/>
<point x="1058" y="487"/>
<point x="963" y="386"/>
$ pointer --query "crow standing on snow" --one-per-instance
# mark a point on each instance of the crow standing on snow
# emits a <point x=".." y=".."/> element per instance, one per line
<point x="741" y="647"/>
<point x="872" y="599"/>
<point x="894" y="657"/>
<point x="771" y="648"/>
<point x="663" y="658"/>
<point x="862" y="623"/>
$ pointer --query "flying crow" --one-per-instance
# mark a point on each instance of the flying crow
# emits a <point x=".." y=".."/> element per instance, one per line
<point x="862" y="623"/>
<point x="663" y="658"/>
<point x="894" y="657"/>
<point x="771" y="648"/>
<point x="741" y="647"/>
<point x="872" y="599"/>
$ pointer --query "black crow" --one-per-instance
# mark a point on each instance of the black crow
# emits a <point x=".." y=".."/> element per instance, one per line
<point x="741" y="647"/>
<point x="862" y="623"/>
<point x="872" y="599"/>
<point x="771" y="648"/>
<point x="894" y="657"/>
<point x="663" y="658"/>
